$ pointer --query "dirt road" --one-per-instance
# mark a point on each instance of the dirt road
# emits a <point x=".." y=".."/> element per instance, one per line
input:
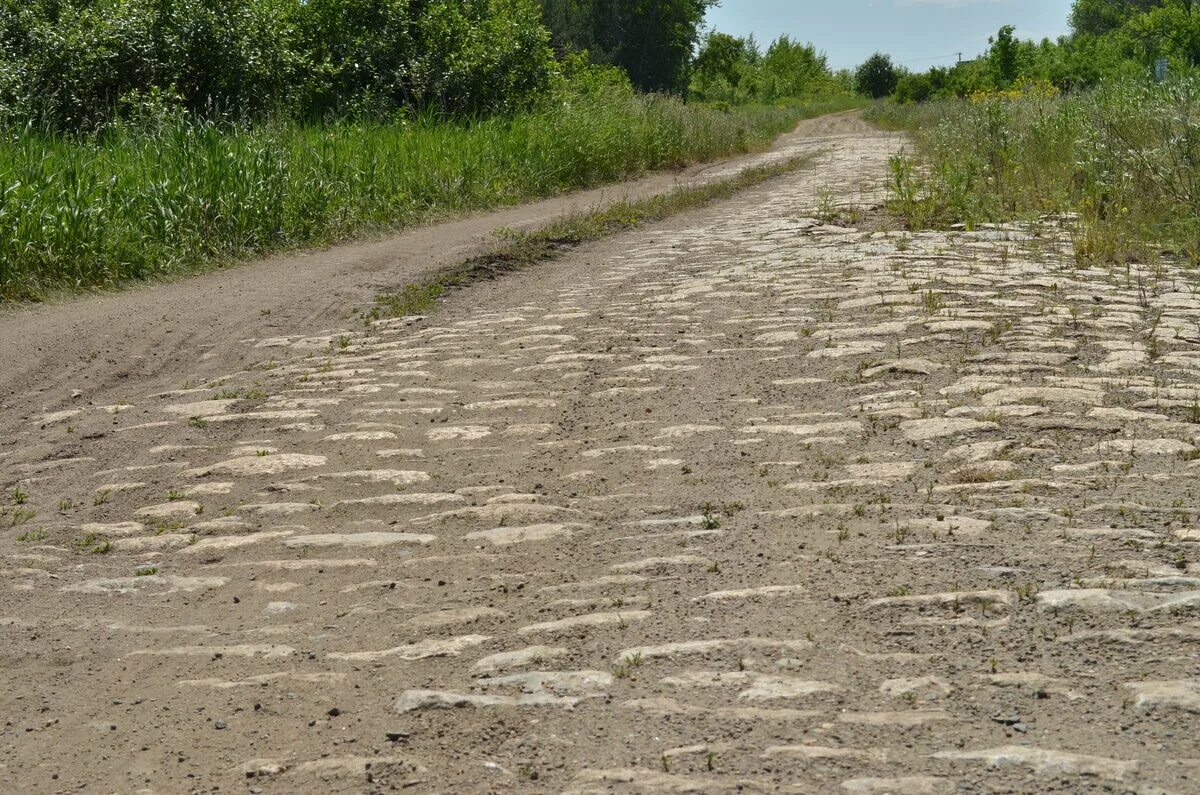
<point x="96" y="343"/>
<point x="743" y="501"/>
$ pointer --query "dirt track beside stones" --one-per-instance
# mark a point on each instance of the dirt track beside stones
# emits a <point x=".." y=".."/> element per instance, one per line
<point x="96" y="344"/>
<point x="744" y="500"/>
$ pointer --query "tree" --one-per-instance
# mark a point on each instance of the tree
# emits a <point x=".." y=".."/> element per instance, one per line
<point x="77" y="64"/>
<point x="1003" y="54"/>
<point x="1170" y="31"/>
<point x="1098" y="17"/>
<point x="652" y="40"/>
<point x="719" y="58"/>
<point x="792" y="69"/>
<point x="729" y="69"/>
<point x="876" y="77"/>
<point x="572" y="25"/>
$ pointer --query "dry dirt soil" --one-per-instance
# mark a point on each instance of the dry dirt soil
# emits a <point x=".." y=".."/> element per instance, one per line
<point x="756" y="499"/>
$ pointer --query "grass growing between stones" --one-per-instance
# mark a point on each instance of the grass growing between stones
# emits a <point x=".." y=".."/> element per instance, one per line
<point x="522" y="249"/>
<point x="1120" y="164"/>
<point x="138" y="204"/>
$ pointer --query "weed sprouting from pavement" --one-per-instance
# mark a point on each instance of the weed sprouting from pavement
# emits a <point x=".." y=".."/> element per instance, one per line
<point x="31" y="536"/>
<point x="95" y="543"/>
<point x="708" y="517"/>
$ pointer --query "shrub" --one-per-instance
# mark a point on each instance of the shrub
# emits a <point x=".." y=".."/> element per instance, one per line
<point x="77" y="64"/>
<point x="913" y="88"/>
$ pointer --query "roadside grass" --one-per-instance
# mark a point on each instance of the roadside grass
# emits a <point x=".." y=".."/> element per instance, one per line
<point x="522" y="249"/>
<point x="1120" y="165"/>
<point x="84" y="213"/>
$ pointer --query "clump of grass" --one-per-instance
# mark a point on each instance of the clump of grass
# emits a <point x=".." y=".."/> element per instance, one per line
<point x="1121" y="162"/>
<point x="412" y="299"/>
<point x="31" y="536"/>
<point x="134" y="204"/>
<point x="977" y="474"/>
<point x="627" y="666"/>
<point x="95" y="543"/>
<point x="15" y="517"/>
<point x="168" y="525"/>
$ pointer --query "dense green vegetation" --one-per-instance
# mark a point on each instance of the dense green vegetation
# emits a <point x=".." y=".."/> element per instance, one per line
<point x="734" y="70"/>
<point x="141" y="138"/>
<point x="77" y="64"/>
<point x="135" y="204"/>
<point x="1118" y="163"/>
<point x="1110" y="40"/>
<point x="876" y="77"/>
<point x="1121" y="164"/>
<point x="650" y="40"/>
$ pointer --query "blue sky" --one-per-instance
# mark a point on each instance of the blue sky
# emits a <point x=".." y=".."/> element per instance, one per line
<point x="917" y="33"/>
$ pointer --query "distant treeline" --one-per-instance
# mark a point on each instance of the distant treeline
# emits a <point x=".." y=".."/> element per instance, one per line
<point x="79" y="65"/>
<point x="738" y="70"/>
<point x="1108" y="39"/>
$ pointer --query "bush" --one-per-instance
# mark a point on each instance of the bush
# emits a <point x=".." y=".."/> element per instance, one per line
<point x="913" y="88"/>
<point x="78" y="64"/>
<point x="579" y="77"/>
<point x="70" y="64"/>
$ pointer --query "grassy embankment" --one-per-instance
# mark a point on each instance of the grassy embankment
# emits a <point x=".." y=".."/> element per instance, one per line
<point x="1121" y="164"/>
<point x="78" y="213"/>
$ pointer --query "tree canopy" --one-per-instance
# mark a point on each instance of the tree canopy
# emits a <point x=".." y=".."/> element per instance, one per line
<point x="73" y="63"/>
<point x="1098" y="17"/>
<point x="1109" y="38"/>
<point x="876" y="77"/>
<point x="652" y="40"/>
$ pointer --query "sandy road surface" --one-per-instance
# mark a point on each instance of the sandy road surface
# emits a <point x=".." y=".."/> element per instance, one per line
<point x="742" y="501"/>
<point x="97" y="343"/>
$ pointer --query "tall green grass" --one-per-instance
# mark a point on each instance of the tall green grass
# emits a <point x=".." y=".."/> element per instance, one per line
<point x="1121" y="164"/>
<point x="140" y="204"/>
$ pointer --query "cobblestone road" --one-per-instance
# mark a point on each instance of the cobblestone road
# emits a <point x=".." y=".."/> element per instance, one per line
<point x="747" y="501"/>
